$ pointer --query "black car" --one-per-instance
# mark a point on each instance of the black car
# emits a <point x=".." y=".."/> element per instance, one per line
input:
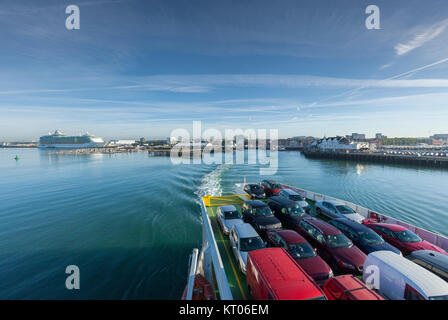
<point x="363" y="237"/>
<point x="435" y="262"/>
<point x="287" y="211"/>
<point x="254" y="190"/>
<point x="258" y="214"/>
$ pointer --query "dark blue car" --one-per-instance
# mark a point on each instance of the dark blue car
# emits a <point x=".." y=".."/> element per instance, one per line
<point x="363" y="237"/>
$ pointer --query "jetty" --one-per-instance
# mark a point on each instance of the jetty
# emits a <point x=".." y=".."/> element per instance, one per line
<point x="382" y="157"/>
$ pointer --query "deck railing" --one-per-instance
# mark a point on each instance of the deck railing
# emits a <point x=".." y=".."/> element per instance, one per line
<point x="210" y="258"/>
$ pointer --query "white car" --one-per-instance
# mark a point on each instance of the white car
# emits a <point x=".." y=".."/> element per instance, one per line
<point x="243" y="239"/>
<point x="335" y="209"/>
<point x="294" y="196"/>
<point x="228" y="216"/>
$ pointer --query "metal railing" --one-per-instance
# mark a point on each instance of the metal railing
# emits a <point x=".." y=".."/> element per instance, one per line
<point x="211" y="259"/>
<point x="192" y="273"/>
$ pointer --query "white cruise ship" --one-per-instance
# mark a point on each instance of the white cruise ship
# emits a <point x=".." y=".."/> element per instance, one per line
<point x="59" y="140"/>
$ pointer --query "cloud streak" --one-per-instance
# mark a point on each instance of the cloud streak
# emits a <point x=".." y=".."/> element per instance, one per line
<point x="421" y="38"/>
<point x="206" y="83"/>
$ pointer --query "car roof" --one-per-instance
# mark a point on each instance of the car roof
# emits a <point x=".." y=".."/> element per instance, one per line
<point x="290" y="191"/>
<point x="227" y="208"/>
<point x="282" y="200"/>
<point x="269" y="181"/>
<point x="283" y="275"/>
<point x="391" y="226"/>
<point x="255" y="203"/>
<point x="252" y="184"/>
<point x="334" y="202"/>
<point x="245" y="230"/>
<point x="325" y="227"/>
<point x="418" y="277"/>
<point x="355" y="287"/>
<point x="353" y="224"/>
<point x="291" y="236"/>
<point x="433" y="257"/>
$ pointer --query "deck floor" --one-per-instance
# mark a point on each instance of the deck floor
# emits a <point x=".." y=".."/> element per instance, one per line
<point x="236" y="279"/>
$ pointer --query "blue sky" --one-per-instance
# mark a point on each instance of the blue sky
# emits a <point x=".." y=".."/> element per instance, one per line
<point x="143" y="68"/>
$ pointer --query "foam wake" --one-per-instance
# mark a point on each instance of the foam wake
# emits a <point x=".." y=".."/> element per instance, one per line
<point x="211" y="182"/>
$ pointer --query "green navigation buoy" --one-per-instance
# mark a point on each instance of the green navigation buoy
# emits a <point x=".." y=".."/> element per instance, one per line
<point x="17" y="158"/>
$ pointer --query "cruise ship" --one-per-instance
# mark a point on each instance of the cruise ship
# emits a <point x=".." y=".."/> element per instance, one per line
<point x="59" y="140"/>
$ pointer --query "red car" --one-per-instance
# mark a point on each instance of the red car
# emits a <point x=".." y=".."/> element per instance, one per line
<point x="271" y="188"/>
<point x="347" y="287"/>
<point x="272" y="274"/>
<point x="402" y="238"/>
<point x="332" y="245"/>
<point x="301" y="251"/>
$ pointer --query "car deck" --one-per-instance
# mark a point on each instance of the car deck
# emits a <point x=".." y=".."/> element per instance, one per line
<point x="236" y="279"/>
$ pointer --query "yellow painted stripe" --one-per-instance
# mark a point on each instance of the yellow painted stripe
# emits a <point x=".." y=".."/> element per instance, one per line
<point x="230" y="258"/>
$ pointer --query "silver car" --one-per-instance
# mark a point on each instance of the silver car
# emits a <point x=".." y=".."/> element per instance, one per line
<point x="243" y="239"/>
<point x="335" y="209"/>
<point x="228" y="216"/>
<point x="294" y="196"/>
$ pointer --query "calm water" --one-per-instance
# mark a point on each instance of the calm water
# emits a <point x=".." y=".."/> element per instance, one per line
<point x="130" y="221"/>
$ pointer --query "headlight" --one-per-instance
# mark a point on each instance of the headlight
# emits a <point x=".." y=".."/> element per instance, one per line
<point x="330" y="274"/>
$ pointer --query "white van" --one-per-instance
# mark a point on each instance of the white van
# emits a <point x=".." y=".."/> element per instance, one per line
<point x="398" y="278"/>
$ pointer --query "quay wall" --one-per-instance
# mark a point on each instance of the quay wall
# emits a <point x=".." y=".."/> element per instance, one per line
<point x="441" y="162"/>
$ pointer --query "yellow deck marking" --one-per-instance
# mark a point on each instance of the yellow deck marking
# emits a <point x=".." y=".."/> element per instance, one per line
<point x="230" y="258"/>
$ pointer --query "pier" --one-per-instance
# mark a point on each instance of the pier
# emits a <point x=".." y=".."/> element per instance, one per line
<point x="429" y="161"/>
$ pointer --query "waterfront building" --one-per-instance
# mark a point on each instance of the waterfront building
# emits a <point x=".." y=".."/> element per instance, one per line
<point x="117" y="143"/>
<point x="337" y="144"/>
<point x="439" y="136"/>
<point x="358" y="136"/>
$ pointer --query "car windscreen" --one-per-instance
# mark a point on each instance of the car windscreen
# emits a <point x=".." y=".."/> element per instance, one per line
<point x="345" y="209"/>
<point x="249" y="244"/>
<point x="369" y="237"/>
<point x="261" y="211"/>
<point x="296" y="197"/>
<point x="301" y="250"/>
<point x="255" y="187"/>
<point x="276" y="186"/>
<point x="232" y="214"/>
<point x="338" y="241"/>
<point x="407" y="236"/>
<point x="295" y="210"/>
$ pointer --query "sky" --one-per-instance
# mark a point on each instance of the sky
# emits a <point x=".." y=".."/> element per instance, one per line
<point x="142" y="68"/>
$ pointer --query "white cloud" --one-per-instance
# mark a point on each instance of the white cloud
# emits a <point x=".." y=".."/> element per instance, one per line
<point x="206" y="83"/>
<point x="420" y="39"/>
